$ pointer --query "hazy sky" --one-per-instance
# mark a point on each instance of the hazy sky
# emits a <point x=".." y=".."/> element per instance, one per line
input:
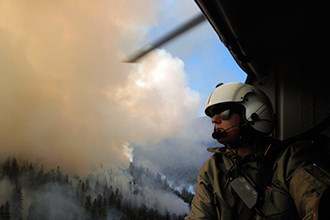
<point x="68" y="99"/>
<point x="207" y="62"/>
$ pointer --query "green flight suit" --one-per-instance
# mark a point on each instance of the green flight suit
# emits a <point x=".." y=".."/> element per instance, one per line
<point x="297" y="184"/>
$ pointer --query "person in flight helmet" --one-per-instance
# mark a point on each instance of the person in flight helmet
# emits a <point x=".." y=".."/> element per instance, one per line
<point x="254" y="176"/>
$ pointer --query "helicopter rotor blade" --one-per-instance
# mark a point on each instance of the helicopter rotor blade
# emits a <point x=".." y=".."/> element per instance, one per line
<point x="181" y="29"/>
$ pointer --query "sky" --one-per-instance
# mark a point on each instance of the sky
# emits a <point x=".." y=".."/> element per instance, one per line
<point x="67" y="98"/>
<point x="207" y="61"/>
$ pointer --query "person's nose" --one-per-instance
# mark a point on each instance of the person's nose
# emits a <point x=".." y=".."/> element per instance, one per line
<point x="216" y="119"/>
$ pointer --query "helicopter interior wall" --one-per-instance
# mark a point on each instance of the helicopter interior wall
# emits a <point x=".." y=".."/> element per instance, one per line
<point x="299" y="91"/>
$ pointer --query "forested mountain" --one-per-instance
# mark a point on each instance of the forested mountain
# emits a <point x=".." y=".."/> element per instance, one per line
<point x="28" y="191"/>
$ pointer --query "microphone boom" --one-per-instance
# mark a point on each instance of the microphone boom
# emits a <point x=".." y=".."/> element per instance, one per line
<point x="222" y="132"/>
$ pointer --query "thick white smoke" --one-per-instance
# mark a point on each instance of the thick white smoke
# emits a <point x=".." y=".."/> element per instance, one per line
<point x="66" y="97"/>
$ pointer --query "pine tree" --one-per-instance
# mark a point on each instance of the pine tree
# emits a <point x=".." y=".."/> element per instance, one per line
<point x="59" y="177"/>
<point x="99" y="208"/>
<point x="6" y="168"/>
<point x="5" y="211"/>
<point x="40" y="179"/>
<point x="16" y="203"/>
<point x="88" y="203"/>
<point x="14" y="170"/>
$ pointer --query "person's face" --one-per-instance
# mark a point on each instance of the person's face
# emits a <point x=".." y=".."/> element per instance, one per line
<point x="227" y="121"/>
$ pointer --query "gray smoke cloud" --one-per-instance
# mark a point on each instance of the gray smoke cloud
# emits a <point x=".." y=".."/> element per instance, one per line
<point x="66" y="97"/>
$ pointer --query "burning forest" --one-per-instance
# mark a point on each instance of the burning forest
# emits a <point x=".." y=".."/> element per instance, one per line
<point x="84" y="135"/>
<point x="31" y="192"/>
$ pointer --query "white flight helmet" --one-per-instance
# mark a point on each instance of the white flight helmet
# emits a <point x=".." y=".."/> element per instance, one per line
<point x="257" y="107"/>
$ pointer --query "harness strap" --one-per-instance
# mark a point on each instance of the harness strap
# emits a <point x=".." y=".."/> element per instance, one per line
<point x="266" y="172"/>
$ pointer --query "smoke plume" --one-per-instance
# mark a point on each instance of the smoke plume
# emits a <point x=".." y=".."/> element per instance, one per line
<point x="66" y="97"/>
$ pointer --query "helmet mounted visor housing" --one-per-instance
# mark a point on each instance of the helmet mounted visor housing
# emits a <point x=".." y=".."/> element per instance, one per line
<point x="256" y="106"/>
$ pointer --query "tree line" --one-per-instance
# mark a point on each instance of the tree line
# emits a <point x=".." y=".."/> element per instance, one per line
<point x="93" y="200"/>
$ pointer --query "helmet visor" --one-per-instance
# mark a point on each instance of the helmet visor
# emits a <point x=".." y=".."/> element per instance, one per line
<point x="224" y="115"/>
<point x="219" y="108"/>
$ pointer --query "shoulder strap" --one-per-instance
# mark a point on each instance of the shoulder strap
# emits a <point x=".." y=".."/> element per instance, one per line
<point x="266" y="171"/>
